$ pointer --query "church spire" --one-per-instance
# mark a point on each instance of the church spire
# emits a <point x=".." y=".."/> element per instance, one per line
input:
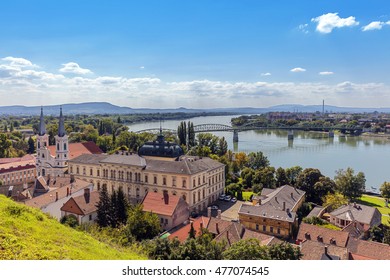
<point x="61" y="126"/>
<point x="42" y="128"/>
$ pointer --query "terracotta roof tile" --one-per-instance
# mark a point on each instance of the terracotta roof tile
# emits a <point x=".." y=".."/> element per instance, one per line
<point x="85" y="206"/>
<point x="182" y="233"/>
<point x="360" y="249"/>
<point x="312" y="250"/>
<point x="159" y="203"/>
<point x="323" y="235"/>
<point x="77" y="149"/>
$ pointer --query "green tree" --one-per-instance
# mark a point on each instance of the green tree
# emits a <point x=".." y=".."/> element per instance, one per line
<point x="350" y="185"/>
<point x="31" y="145"/>
<point x="292" y="174"/>
<point x="284" y="251"/>
<point x="192" y="232"/>
<point x="103" y="208"/>
<point x="191" y="134"/>
<point x="113" y="217"/>
<point x="248" y="249"/>
<point x="281" y="177"/>
<point x="222" y="146"/>
<point x="385" y="190"/>
<point x="182" y="133"/>
<point x="70" y="221"/>
<point x="121" y="207"/>
<point x="334" y="201"/>
<point x="247" y="175"/>
<point x="265" y="177"/>
<point x="142" y="225"/>
<point x="105" y="143"/>
<point x="5" y="145"/>
<point x="257" y="160"/>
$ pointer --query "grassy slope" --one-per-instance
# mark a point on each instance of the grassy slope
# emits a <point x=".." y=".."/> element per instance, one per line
<point x="379" y="203"/>
<point x="27" y="233"/>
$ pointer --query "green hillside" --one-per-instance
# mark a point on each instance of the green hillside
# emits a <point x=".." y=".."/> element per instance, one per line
<point x="28" y="234"/>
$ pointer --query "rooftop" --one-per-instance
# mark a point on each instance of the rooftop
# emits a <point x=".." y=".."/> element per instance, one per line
<point x="322" y="235"/>
<point x="359" y="212"/>
<point x="77" y="149"/>
<point x="84" y="204"/>
<point x="161" y="203"/>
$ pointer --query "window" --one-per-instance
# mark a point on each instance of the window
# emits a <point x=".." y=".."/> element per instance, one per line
<point x="155" y="180"/>
<point x="77" y="170"/>
<point x="184" y="183"/>
<point x="146" y="178"/>
<point x="184" y="197"/>
<point x="58" y="146"/>
<point x="90" y="172"/>
<point x="257" y="227"/>
<point x="164" y="181"/>
<point x="278" y="230"/>
<point x="65" y="146"/>
<point x="98" y="173"/>
<point x="90" y="217"/>
<point x="71" y="169"/>
<point x="198" y="180"/>
<point x="264" y="228"/>
<point x="271" y="229"/>
<point x="84" y="171"/>
<point x="174" y="181"/>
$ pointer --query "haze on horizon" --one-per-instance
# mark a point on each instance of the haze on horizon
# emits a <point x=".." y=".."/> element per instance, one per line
<point x="195" y="54"/>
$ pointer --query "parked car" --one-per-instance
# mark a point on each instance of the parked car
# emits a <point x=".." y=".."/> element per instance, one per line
<point x="214" y="207"/>
<point x="233" y="199"/>
<point x="227" y="198"/>
<point x="221" y="197"/>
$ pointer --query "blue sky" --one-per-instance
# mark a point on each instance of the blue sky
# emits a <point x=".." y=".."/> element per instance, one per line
<point x="195" y="53"/>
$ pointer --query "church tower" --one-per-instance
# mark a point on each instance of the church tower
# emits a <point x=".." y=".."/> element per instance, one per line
<point x="62" y="146"/>
<point x="43" y="153"/>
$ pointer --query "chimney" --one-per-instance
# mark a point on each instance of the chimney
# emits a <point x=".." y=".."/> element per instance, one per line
<point x="166" y="197"/>
<point x="217" y="228"/>
<point x="292" y="195"/>
<point x="284" y="205"/>
<point x="201" y="226"/>
<point x="227" y="236"/>
<point x="209" y="211"/>
<point x="276" y="199"/>
<point x="56" y="196"/>
<point x="67" y="191"/>
<point x="326" y="250"/>
<point x="219" y="214"/>
<point x="87" y="194"/>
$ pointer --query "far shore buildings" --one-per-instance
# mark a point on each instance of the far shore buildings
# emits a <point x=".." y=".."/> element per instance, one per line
<point x="160" y="167"/>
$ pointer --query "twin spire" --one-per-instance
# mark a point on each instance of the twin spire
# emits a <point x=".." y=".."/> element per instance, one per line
<point x="61" y="125"/>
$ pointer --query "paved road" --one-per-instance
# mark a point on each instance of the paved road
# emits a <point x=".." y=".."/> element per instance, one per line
<point x="229" y="209"/>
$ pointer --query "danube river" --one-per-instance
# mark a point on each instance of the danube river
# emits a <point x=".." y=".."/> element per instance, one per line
<point x="308" y="149"/>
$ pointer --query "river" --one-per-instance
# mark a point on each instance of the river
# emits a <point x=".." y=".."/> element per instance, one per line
<point x="308" y="149"/>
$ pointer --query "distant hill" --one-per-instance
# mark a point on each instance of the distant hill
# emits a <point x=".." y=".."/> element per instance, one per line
<point x="92" y="108"/>
<point x="28" y="234"/>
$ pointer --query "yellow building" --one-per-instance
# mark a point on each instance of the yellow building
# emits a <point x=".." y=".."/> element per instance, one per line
<point x="274" y="211"/>
<point x="198" y="180"/>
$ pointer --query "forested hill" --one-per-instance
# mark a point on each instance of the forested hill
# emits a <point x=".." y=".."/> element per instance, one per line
<point x="92" y="108"/>
<point x="28" y="234"/>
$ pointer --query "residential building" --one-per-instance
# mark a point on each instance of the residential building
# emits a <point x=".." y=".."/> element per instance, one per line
<point x="274" y="212"/>
<point x="199" y="181"/>
<point x="82" y="207"/>
<point x="172" y="210"/>
<point x="18" y="171"/>
<point x="368" y="250"/>
<point x="54" y="193"/>
<point x="366" y="216"/>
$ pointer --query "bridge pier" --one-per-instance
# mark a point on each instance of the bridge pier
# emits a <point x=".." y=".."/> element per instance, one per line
<point x="290" y="135"/>
<point x="331" y="134"/>
<point x="235" y="136"/>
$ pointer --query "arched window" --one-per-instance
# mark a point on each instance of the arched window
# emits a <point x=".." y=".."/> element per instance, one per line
<point x="58" y="146"/>
<point x="65" y="146"/>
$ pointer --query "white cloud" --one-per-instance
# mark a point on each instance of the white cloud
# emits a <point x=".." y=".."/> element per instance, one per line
<point x="18" y="62"/>
<point x="74" y="68"/>
<point x="327" y="22"/>
<point x="266" y="74"/>
<point x="51" y="88"/>
<point x="375" y="25"/>
<point x="325" y="73"/>
<point x="303" y="28"/>
<point x="142" y="67"/>
<point x="298" y="69"/>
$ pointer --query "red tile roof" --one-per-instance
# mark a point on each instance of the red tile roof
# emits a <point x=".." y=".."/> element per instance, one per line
<point x="80" y="205"/>
<point x="323" y="235"/>
<point x="77" y="149"/>
<point x="18" y="159"/>
<point x="161" y="204"/>
<point x="182" y="233"/>
<point x="368" y="250"/>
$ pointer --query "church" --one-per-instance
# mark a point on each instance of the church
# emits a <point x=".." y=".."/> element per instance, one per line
<point x="46" y="163"/>
<point x="53" y="160"/>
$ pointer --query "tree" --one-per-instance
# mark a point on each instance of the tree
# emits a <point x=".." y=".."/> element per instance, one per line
<point x="182" y="133"/>
<point x="121" y="207"/>
<point x="191" y="134"/>
<point x="241" y="159"/>
<point x="113" y="217"/>
<point x="248" y="249"/>
<point x="223" y="146"/>
<point x="257" y="160"/>
<point x="142" y="225"/>
<point x="385" y="190"/>
<point x="31" y="145"/>
<point x="292" y="174"/>
<point x="350" y="185"/>
<point x="281" y="177"/>
<point x="247" y="177"/>
<point x="103" y="208"/>
<point x="5" y="145"/>
<point x="334" y="201"/>
<point x="284" y="251"/>
<point x="192" y="232"/>
<point x="265" y="177"/>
